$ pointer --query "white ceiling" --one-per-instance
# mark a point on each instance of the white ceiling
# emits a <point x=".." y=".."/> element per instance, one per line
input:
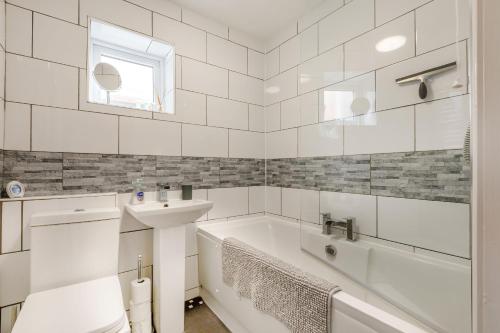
<point x="259" y="18"/>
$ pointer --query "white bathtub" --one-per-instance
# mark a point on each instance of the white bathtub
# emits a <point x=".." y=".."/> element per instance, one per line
<point x="356" y="309"/>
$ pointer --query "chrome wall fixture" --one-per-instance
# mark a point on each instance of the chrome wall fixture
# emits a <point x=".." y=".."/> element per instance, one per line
<point x="423" y="76"/>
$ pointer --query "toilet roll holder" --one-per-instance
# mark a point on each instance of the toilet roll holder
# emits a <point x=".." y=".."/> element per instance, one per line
<point x="139" y="269"/>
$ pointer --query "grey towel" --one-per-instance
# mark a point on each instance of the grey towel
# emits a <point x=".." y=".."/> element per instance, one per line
<point x="298" y="299"/>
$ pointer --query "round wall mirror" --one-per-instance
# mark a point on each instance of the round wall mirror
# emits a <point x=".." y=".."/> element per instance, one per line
<point x="107" y="77"/>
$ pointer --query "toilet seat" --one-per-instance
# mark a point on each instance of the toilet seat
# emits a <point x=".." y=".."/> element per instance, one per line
<point x="90" y="307"/>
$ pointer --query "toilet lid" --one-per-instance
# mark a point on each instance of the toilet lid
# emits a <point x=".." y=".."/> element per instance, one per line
<point x="91" y="307"/>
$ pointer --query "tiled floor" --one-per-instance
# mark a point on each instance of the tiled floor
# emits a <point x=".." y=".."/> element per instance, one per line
<point x="202" y="320"/>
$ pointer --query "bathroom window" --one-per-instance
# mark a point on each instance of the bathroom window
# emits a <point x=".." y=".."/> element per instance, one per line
<point x="127" y="69"/>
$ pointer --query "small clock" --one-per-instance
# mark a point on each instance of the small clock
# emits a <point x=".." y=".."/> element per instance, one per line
<point x="15" y="189"/>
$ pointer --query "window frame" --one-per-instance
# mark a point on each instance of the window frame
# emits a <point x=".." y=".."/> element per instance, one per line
<point x="162" y="76"/>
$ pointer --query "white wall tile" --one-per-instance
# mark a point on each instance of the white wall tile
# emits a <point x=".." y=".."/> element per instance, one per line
<point x="117" y="12"/>
<point x="63" y="9"/>
<point x="442" y="124"/>
<point x="321" y="71"/>
<point x="243" y="38"/>
<point x="324" y="139"/>
<point x="282" y="144"/>
<point x="39" y="82"/>
<point x="163" y="7"/>
<point x="191" y="246"/>
<point x="9" y="315"/>
<point x="391" y="95"/>
<point x="149" y="137"/>
<point x="436" y="24"/>
<point x="348" y="98"/>
<point x="188" y="41"/>
<point x="282" y="36"/>
<point x="2" y="26"/>
<point x="246" y="88"/>
<point x="273" y="200"/>
<point x="17" y="126"/>
<point x="59" y="41"/>
<point x="226" y="113"/>
<point x="290" y="54"/>
<point x="203" y="78"/>
<point x="309" y="108"/>
<point x="290" y="113"/>
<point x="380" y="132"/>
<point x="205" y="23"/>
<point x="281" y="87"/>
<point x="320" y="11"/>
<point x="191" y="293"/>
<point x="386" y="10"/>
<point x="14" y="277"/>
<point x="2" y="123"/>
<point x="204" y="141"/>
<point x="309" y="206"/>
<point x="348" y="22"/>
<point x="18" y="30"/>
<point x="11" y="226"/>
<point x="2" y="73"/>
<point x="191" y="274"/>
<point x="256" y="118"/>
<point x="272" y="63"/>
<point x="190" y="107"/>
<point x="256" y="64"/>
<point x="62" y="130"/>
<point x="228" y="202"/>
<point x="433" y="225"/>
<point x="362" y="207"/>
<point x="257" y="199"/>
<point x="273" y="117"/>
<point x="133" y="244"/>
<point x="309" y="43"/>
<point x="362" y="53"/>
<point x="290" y="202"/>
<point x="226" y="54"/>
<point x="245" y="144"/>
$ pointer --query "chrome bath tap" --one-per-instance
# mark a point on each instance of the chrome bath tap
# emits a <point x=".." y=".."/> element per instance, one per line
<point x="346" y="224"/>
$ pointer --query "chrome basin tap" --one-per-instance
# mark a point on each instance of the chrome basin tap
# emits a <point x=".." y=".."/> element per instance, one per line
<point x="346" y="224"/>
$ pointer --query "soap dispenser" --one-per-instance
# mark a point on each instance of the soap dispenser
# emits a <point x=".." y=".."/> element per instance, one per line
<point x="138" y="185"/>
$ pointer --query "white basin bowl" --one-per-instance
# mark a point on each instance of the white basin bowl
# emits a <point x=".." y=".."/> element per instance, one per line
<point x="169" y="214"/>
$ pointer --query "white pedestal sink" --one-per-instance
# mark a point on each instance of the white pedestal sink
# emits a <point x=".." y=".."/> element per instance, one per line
<point x="168" y="221"/>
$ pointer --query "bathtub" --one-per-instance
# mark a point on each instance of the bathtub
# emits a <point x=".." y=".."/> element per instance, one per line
<point x="355" y="308"/>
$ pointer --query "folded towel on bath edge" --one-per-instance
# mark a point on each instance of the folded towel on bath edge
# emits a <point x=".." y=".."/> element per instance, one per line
<point x="298" y="299"/>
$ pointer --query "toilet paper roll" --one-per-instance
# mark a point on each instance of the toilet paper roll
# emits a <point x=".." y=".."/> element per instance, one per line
<point x="140" y="292"/>
<point x="140" y="312"/>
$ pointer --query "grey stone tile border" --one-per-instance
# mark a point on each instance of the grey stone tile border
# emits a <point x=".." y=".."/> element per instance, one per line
<point x="432" y="175"/>
<point x="78" y="173"/>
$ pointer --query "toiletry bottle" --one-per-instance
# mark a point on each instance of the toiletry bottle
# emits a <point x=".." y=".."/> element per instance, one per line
<point x="138" y="191"/>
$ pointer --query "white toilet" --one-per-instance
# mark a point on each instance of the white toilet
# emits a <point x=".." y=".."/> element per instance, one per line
<point x="74" y="282"/>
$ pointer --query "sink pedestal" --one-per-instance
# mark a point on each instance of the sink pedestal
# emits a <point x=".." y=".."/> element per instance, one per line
<point x="169" y="279"/>
<point x="169" y="222"/>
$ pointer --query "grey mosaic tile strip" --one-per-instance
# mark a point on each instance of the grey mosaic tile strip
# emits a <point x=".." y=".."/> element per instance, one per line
<point x="432" y="175"/>
<point x="331" y="173"/>
<point x="240" y="172"/>
<point x="201" y="172"/>
<point x="91" y="173"/>
<point x="72" y="173"/>
<point x="41" y="172"/>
